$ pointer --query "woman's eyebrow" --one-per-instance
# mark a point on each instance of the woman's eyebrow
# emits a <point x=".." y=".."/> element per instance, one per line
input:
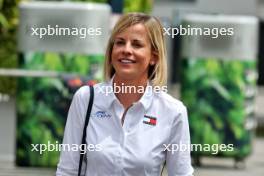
<point x="119" y="38"/>
<point x="133" y="40"/>
<point x="138" y="41"/>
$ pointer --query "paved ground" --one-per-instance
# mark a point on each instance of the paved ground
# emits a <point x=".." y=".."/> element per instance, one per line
<point x="210" y="166"/>
<point x="221" y="167"/>
<point x="225" y="167"/>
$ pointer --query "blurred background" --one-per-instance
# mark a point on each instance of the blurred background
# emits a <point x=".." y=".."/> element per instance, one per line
<point x="220" y="80"/>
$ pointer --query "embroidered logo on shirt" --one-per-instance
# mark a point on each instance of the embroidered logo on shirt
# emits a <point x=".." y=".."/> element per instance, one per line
<point x="150" y="120"/>
<point x="101" y="114"/>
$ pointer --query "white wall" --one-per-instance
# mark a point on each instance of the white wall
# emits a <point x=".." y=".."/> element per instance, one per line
<point x="7" y="130"/>
<point x="260" y="9"/>
<point x="243" y="7"/>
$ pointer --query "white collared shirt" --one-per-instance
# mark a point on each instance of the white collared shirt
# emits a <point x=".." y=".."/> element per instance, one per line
<point x="139" y="147"/>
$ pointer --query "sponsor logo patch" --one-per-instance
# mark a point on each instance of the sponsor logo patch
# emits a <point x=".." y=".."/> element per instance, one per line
<point x="150" y="120"/>
<point x="101" y="115"/>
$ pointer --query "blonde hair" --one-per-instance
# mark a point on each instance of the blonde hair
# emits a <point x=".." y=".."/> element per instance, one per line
<point x="158" y="72"/>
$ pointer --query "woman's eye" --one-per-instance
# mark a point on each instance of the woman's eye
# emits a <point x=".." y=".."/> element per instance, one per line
<point x="119" y="42"/>
<point x="137" y="45"/>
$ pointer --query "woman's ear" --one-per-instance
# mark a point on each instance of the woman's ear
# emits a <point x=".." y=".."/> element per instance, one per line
<point x="154" y="58"/>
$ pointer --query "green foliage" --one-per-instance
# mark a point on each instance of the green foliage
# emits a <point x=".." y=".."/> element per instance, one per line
<point x="43" y="103"/>
<point x="138" y="6"/>
<point x="130" y="5"/>
<point x="97" y="1"/>
<point x="215" y="93"/>
<point x="8" y="31"/>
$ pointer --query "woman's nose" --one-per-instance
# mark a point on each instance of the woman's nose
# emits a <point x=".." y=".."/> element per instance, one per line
<point x="127" y="48"/>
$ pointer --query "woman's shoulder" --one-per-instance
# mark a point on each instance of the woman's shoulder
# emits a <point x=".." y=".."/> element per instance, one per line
<point x="171" y="102"/>
<point x="174" y="108"/>
<point x="84" y="91"/>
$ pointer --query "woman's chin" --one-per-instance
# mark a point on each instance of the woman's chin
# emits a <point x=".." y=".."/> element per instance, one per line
<point x="126" y="75"/>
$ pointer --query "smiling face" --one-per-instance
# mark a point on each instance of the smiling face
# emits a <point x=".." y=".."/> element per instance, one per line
<point x="132" y="54"/>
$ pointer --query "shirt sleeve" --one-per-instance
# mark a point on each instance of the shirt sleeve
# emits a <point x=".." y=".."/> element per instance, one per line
<point x="69" y="157"/>
<point x="178" y="158"/>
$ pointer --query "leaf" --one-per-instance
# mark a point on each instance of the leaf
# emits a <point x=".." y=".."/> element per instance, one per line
<point x="221" y="89"/>
<point x="3" y="21"/>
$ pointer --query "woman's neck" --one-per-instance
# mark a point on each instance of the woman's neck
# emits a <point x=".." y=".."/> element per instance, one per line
<point x="131" y="90"/>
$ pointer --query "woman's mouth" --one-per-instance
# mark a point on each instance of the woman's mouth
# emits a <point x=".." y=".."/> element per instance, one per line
<point x="127" y="61"/>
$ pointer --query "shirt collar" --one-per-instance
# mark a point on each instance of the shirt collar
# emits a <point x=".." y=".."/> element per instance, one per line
<point x="147" y="97"/>
<point x="145" y="100"/>
<point x="106" y="95"/>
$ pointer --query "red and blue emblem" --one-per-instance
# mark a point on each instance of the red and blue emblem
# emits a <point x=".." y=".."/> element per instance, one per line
<point x="150" y="120"/>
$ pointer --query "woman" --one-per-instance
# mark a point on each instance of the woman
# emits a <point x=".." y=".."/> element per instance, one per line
<point x="135" y="126"/>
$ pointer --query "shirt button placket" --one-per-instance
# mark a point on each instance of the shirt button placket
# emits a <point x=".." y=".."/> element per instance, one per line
<point x="119" y="160"/>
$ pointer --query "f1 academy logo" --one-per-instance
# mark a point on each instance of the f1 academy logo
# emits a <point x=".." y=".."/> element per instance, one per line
<point x="101" y="115"/>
